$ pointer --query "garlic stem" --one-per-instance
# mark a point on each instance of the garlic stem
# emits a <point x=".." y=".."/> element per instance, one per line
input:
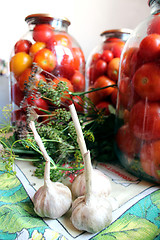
<point x="88" y="176"/>
<point x="85" y="154"/>
<point x="43" y="150"/>
<point x="39" y="141"/>
<point x="80" y="137"/>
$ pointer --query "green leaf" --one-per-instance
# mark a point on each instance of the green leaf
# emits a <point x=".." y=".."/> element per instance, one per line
<point x="155" y="198"/>
<point x="8" y="181"/>
<point x="17" y="196"/>
<point x="13" y="218"/>
<point x="129" y="227"/>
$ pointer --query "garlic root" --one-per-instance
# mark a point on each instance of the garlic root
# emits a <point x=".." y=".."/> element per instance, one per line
<point x="53" y="199"/>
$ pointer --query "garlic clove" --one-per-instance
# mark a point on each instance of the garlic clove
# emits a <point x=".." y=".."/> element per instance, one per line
<point x="100" y="182"/>
<point x="53" y="200"/>
<point x="91" y="216"/>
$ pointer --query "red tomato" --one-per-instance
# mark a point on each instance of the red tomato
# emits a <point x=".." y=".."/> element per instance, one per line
<point x="79" y="59"/>
<point x="114" y="97"/>
<point x="129" y="61"/>
<point x="126" y="141"/>
<point x="127" y="95"/>
<point x="22" y="46"/>
<point x="78" y="81"/>
<point x="103" y="107"/>
<point x="38" y="104"/>
<point x="115" y="47"/>
<point x="36" y="47"/>
<point x="18" y="115"/>
<point x="63" y="40"/>
<point x="23" y="79"/>
<point x="43" y="32"/>
<point x="65" y="62"/>
<point x="45" y="59"/>
<point x="101" y="67"/>
<point x="154" y="25"/>
<point x="149" y="49"/>
<point x="93" y="74"/>
<point x="95" y="57"/>
<point x="150" y="158"/>
<point x="144" y="120"/>
<point x="93" y="96"/>
<point x="146" y="81"/>
<point x="113" y="69"/>
<point x="16" y="94"/>
<point x="151" y="151"/>
<point x="101" y="82"/>
<point x="78" y="102"/>
<point x="107" y="55"/>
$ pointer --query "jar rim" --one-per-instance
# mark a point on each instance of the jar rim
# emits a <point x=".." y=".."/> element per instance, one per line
<point x="116" y="32"/>
<point x="39" y="18"/>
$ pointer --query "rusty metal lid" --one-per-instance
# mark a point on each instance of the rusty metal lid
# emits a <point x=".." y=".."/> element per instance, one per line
<point x="40" y="18"/>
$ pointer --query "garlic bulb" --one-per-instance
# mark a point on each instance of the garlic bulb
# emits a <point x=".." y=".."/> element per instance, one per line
<point x="93" y="215"/>
<point x="101" y="184"/>
<point x="91" y="212"/>
<point x="53" y="199"/>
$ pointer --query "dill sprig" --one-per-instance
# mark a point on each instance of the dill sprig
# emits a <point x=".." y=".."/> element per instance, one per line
<point x="58" y="133"/>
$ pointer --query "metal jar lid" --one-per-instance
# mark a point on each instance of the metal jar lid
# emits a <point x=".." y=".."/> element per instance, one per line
<point x="40" y="18"/>
<point x="122" y="33"/>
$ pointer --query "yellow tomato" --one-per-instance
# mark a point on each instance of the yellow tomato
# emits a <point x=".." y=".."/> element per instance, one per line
<point x="19" y="62"/>
<point x="36" y="47"/>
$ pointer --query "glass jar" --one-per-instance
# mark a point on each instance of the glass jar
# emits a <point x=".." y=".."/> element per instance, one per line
<point x="102" y="68"/>
<point x="45" y="56"/>
<point x="138" y="106"/>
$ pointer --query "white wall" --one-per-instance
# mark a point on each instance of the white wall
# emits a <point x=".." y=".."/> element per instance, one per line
<point x="88" y="18"/>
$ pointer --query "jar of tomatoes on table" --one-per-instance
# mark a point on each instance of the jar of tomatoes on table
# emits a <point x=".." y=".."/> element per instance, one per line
<point x="102" y="69"/>
<point x="46" y="56"/>
<point x="138" y="107"/>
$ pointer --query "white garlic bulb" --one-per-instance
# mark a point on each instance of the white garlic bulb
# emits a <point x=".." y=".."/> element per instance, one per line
<point x="100" y="182"/>
<point x="53" y="199"/>
<point x="91" y="216"/>
<point x="93" y="211"/>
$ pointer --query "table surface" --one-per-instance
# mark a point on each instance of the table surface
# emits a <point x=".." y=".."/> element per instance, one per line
<point x="136" y="207"/>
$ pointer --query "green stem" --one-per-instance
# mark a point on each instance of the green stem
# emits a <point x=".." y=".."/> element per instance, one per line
<point x="3" y="143"/>
<point x="67" y="169"/>
<point x="27" y="159"/>
<point x="92" y="90"/>
<point x="21" y="151"/>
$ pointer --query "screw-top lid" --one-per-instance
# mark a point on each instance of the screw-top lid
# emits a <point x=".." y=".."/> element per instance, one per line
<point x="118" y="33"/>
<point x="40" y="18"/>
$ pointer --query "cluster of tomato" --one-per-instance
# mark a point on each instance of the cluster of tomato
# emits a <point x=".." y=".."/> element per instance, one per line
<point x="103" y="70"/>
<point x="139" y="100"/>
<point x="56" y="54"/>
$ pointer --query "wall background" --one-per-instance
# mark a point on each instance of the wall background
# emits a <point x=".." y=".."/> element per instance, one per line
<point x="88" y="18"/>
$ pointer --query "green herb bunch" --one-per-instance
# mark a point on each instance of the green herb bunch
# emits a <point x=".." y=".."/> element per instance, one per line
<point x="58" y="134"/>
